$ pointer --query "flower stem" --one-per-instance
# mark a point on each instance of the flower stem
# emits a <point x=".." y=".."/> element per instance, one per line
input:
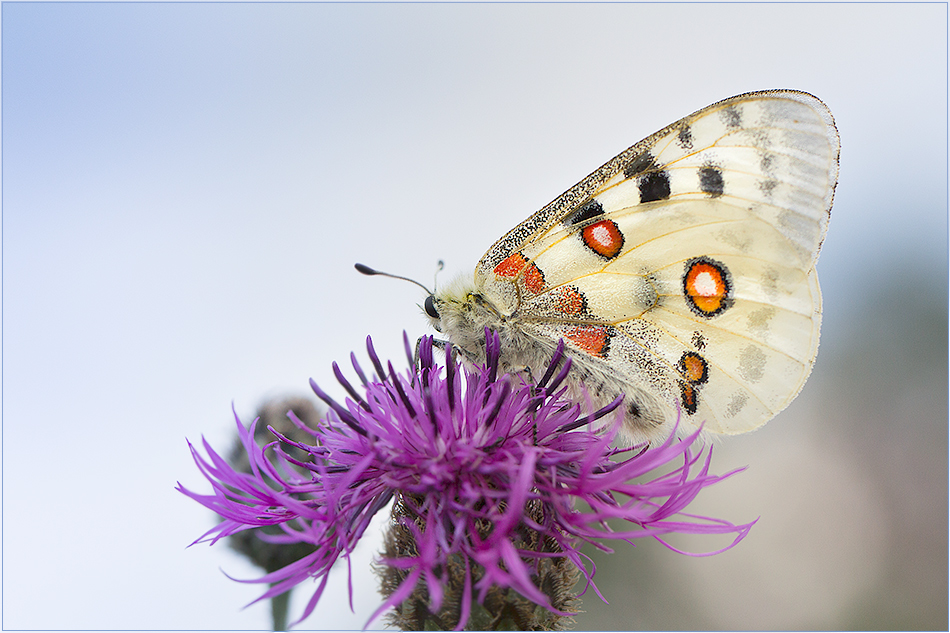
<point x="279" y="605"/>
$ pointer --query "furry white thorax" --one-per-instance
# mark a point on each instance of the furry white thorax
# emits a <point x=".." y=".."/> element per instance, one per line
<point x="464" y="313"/>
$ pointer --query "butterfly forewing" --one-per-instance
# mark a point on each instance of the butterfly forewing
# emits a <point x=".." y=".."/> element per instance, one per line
<point x="684" y="267"/>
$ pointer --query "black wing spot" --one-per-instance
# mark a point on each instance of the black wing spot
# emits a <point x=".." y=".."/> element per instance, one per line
<point x="699" y="341"/>
<point x="654" y="186"/>
<point x="588" y="210"/>
<point x="710" y="181"/>
<point x="639" y="164"/>
<point x="685" y="138"/>
<point x="731" y="117"/>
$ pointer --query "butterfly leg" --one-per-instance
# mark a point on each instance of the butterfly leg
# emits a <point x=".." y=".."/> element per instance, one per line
<point x="443" y="345"/>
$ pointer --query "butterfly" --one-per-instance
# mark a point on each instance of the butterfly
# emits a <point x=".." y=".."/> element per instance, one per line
<point x="680" y="274"/>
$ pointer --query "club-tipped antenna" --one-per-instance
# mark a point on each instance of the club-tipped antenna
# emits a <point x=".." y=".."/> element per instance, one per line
<point x="366" y="270"/>
<point x="439" y="265"/>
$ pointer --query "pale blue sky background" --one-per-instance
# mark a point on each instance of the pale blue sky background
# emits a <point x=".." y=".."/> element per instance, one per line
<point x="187" y="186"/>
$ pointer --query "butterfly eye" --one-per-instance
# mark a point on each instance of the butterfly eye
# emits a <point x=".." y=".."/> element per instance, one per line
<point x="430" y="307"/>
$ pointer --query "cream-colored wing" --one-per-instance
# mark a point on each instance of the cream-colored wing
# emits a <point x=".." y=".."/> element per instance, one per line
<point x="684" y="267"/>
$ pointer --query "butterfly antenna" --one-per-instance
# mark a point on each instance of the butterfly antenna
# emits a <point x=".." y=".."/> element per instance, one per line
<point x="366" y="270"/>
<point x="438" y="268"/>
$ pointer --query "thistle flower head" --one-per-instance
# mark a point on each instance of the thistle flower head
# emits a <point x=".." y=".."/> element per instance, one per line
<point x="486" y="472"/>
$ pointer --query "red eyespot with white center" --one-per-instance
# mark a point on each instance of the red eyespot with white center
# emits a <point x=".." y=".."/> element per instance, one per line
<point x="604" y="238"/>
<point x="707" y="286"/>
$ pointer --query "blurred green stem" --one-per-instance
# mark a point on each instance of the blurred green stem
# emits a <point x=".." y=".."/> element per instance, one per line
<point x="278" y="610"/>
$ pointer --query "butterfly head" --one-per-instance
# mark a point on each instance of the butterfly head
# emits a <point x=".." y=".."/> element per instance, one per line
<point x="457" y="310"/>
<point x="462" y="313"/>
<point x="432" y="312"/>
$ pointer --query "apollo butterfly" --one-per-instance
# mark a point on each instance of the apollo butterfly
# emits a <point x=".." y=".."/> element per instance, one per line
<point x="681" y="273"/>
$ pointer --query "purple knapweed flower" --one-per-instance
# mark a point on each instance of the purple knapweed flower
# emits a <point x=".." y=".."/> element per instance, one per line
<point x="485" y="473"/>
